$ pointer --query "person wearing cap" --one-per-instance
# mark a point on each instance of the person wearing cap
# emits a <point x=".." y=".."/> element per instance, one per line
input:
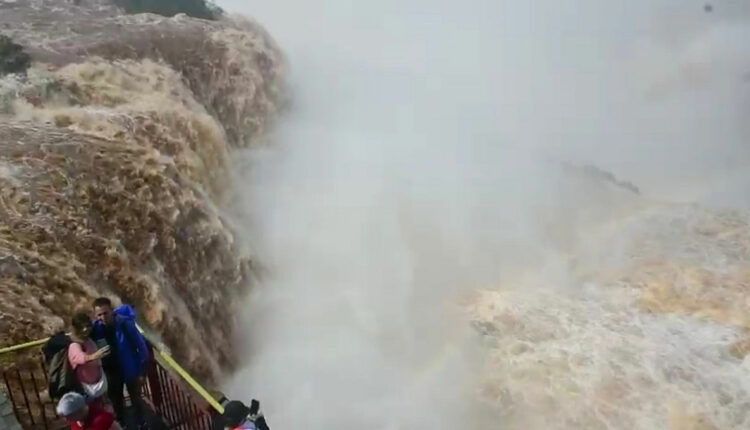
<point x="80" y="416"/>
<point x="237" y="416"/>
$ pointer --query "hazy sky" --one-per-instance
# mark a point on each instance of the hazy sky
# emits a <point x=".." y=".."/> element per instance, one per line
<point x="655" y="90"/>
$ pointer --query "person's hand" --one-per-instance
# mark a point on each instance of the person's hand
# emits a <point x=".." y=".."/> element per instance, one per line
<point x="103" y="352"/>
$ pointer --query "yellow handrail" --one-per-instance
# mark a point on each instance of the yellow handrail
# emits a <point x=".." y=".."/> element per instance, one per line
<point x="170" y="362"/>
<point x="190" y="380"/>
<point x="21" y="346"/>
<point x="174" y="365"/>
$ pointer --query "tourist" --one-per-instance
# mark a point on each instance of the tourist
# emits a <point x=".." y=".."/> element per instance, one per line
<point x="126" y="364"/>
<point x="238" y="416"/>
<point x="85" y="360"/>
<point x="80" y="416"/>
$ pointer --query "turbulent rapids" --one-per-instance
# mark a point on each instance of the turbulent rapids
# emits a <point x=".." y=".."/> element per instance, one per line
<point x="113" y="157"/>
<point x="650" y="330"/>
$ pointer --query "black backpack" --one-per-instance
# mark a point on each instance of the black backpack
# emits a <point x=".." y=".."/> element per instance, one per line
<point x="60" y="374"/>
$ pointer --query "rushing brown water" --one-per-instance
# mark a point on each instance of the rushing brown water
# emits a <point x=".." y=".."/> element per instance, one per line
<point x="114" y="151"/>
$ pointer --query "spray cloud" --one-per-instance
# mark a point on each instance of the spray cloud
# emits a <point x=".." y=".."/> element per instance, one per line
<point x="421" y="159"/>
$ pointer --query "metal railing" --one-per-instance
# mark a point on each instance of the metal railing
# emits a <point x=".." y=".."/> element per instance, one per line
<point x="173" y="394"/>
<point x="25" y="384"/>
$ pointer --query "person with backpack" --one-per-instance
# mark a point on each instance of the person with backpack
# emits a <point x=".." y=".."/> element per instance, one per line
<point x="80" y="416"/>
<point x="61" y="377"/>
<point x="126" y="363"/>
<point x="85" y="359"/>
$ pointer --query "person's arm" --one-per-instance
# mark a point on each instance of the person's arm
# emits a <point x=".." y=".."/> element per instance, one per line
<point x="134" y="334"/>
<point x="77" y="357"/>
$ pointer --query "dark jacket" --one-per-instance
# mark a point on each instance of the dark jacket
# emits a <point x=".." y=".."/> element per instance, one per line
<point x="130" y="346"/>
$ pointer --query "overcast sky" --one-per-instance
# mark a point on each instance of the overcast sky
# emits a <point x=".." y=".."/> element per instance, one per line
<point x="655" y="90"/>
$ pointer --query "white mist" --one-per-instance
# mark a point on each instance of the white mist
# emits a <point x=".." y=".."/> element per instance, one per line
<point x="415" y="164"/>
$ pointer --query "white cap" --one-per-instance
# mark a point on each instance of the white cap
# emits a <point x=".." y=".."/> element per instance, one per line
<point x="69" y="404"/>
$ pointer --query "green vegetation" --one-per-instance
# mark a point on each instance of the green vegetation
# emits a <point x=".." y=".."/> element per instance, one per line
<point x="204" y="9"/>
<point x="13" y="59"/>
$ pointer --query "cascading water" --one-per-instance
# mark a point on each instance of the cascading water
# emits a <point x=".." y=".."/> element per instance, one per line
<point x="114" y="146"/>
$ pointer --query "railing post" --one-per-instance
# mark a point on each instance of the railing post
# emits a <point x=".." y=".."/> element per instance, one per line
<point x="25" y="398"/>
<point x="39" y="399"/>
<point x="212" y="413"/>
<point x="152" y="374"/>
<point x="10" y="395"/>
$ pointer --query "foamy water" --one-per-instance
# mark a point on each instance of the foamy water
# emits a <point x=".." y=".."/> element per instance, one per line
<point x="114" y="153"/>
<point x="611" y="349"/>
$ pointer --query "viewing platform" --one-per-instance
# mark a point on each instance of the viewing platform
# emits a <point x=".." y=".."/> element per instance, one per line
<point x="174" y="399"/>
